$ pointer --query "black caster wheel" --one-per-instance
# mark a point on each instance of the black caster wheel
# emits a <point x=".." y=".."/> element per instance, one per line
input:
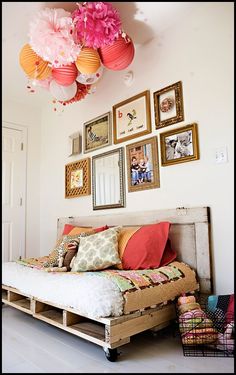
<point x="111" y="354"/>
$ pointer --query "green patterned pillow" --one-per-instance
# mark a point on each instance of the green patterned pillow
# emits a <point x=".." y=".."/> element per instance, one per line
<point x="61" y="249"/>
<point x="98" y="251"/>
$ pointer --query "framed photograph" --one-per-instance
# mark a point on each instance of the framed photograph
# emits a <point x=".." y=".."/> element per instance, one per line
<point x="132" y="117"/>
<point x="97" y="132"/>
<point x="168" y="105"/>
<point x="77" y="178"/>
<point x="142" y="165"/>
<point x="179" y="145"/>
<point x="74" y="144"/>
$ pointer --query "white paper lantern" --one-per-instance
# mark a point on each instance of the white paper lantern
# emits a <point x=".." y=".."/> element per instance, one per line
<point x="89" y="79"/>
<point x="63" y="93"/>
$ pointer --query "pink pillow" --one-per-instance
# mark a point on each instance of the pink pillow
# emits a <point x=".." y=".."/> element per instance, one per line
<point x="69" y="227"/>
<point x="100" y="229"/>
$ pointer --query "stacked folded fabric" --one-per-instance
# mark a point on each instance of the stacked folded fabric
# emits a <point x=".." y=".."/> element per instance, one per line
<point x="195" y="327"/>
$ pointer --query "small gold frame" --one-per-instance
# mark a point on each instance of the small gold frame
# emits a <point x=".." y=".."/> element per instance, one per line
<point x="77" y="178"/>
<point x="176" y="150"/>
<point x="176" y="113"/>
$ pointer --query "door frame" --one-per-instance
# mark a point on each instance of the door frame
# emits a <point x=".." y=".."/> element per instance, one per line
<point x="24" y="130"/>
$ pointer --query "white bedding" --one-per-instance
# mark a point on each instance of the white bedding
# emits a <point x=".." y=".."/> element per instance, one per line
<point x="91" y="295"/>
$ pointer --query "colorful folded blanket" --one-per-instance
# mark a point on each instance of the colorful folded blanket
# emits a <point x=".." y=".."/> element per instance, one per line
<point x="190" y="324"/>
<point x="200" y="336"/>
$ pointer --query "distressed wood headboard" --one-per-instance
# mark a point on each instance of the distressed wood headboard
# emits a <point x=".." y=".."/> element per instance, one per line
<point x="189" y="234"/>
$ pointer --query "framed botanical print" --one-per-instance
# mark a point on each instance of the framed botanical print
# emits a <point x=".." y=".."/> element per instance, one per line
<point x="97" y="132"/>
<point x="77" y="178"/>
<point x="168" y="105"/>
<point x="132" y="117"/>
<point x="142" y="165"/>
<point x="179" y="145"/>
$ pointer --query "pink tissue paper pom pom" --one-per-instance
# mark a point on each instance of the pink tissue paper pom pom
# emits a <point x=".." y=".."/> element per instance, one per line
<point x="96" y="24"/>
<point x="52" y="37"/>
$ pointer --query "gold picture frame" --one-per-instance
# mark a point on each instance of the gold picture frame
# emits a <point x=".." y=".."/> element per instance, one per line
<point x="168" y="105"/>
<point x="179" y="145"/>
<point x="97" y="133"/>
<point x="142" y="165"/>
<point x="132" y="117"/>
<point x="77" y="178"/>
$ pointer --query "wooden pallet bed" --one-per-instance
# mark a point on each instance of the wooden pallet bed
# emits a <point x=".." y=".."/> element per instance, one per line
<point x="189" y="236"/>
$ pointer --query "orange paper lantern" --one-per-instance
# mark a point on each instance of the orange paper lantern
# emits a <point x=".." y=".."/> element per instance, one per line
<point x="119" y="55"/>
<point x="33" y="65"/>
<point x="65" y="75"/>
<point x="88" y="61"/>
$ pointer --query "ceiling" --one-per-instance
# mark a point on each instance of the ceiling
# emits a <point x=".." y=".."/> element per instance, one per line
<point x="143" y="21"/>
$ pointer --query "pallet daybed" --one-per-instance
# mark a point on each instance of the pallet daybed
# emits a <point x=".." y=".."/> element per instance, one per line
<point x="189" y="235"/>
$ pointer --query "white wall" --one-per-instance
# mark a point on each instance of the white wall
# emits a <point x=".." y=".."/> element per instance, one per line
<point x="199" y="52"/>
<point x="30" y="118"/>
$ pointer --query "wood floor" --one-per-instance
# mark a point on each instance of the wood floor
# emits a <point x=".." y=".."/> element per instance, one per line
<point x="32" y="346"/>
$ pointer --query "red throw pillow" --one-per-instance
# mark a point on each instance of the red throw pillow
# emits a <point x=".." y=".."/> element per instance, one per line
<point x="67" y="229"/>
<point x="148" y="247"/>
<point x="100" y="229"/>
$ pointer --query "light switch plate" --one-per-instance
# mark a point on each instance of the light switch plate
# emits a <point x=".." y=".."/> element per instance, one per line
<point x="221" y="155"/>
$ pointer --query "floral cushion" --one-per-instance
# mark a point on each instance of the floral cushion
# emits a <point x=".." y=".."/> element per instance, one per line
<point x="98" y="251"/>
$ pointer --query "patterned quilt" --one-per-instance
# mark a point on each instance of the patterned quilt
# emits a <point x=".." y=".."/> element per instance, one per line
<point x="125" y="280"/>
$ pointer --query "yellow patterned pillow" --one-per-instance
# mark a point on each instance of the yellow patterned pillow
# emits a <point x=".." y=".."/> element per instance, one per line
<point x="98" y="251"/>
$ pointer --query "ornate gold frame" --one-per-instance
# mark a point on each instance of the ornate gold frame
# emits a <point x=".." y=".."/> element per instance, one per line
<point x="85" y="189"/>
<point x="178" y="104"/>
<point x="155" y="165"/>
<point x="195" y="156"/>
<point x="115" y="108"/>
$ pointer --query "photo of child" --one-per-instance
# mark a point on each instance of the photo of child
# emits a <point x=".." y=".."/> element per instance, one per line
<point x="141" y="165"/>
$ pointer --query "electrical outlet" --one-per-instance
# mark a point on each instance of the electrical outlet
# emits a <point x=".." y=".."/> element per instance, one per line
<point x="221" y="155"/>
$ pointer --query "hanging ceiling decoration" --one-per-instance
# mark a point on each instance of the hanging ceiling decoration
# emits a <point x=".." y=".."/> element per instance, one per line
<point x="67" y="52"/>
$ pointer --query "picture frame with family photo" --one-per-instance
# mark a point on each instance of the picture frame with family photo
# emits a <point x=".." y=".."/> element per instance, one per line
<point x="179" y="145"/>
<point x="143" y="165"/>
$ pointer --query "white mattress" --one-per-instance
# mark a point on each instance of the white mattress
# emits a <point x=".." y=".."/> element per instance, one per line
<point x="91" y="295"/>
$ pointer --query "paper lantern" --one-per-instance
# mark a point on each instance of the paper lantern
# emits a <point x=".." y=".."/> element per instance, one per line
<point x="82" y="91"/>
<point x="33" y="65"/>
<point x="88" y="61"/>
<point x="65" y="75"/>
<point x="119" y="55"/>
<point x="86" y="79"/>
<point x="63" y="93"/>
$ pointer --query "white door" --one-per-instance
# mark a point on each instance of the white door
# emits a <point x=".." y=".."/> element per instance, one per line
<point x="13" y="191"/>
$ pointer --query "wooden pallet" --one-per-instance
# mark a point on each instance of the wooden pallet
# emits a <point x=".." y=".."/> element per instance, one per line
<point x="107" y="332"/>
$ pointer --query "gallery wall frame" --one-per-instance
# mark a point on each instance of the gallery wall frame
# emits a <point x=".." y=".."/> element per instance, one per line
<point x="132" y="117"/>
<point x="168" y="105"/>
<point x="97" y="133"/>
<point x="143" y="165"/>
<point x="78" y="178"/>
<point x="179" y="145"/>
